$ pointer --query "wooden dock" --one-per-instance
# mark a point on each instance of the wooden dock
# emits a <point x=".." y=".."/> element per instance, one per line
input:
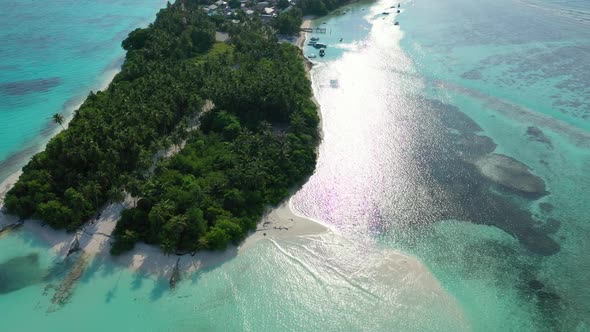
<point x="314" y="30"/>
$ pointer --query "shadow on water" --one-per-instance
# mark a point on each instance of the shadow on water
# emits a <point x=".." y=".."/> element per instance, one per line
<point x="63" y="275"/>
<point x="28" y="268"/>
<point x="20" y="272"/>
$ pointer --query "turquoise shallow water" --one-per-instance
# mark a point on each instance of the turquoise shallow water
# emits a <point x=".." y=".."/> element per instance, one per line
<point x="526" y="59"/>
<point x="322" y="282"/>
<point x="51" y="56"/>
<point x="402" y="126"/>
<point x="404" y="129"/>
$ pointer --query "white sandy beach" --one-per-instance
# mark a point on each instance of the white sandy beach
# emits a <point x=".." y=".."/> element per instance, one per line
<point x="305" y="24"/>
<point x="95" y="237"/>
<point x="95" y="240"/>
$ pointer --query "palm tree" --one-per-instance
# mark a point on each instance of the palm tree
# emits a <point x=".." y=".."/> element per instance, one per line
<point x="59" y="119"/>
<point x="168" y="246"/>
<point x="92" y="190"/>
<point x="116" y="195"/>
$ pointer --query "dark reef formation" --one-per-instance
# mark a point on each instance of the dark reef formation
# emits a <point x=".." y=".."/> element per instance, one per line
<point x="511" y="173"/>
<point x="29" y="86"/>
<point x="464" y="180"/>
<point x="536" y="134"/>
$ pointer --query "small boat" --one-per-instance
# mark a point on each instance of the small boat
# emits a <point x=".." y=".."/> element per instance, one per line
<point x="385" y="13"/>
<point x="396" y="23"/>
<point x="320" y="45"/>
<point x="311" y="56"/>
<point x="322" y="52"/>
<point x="311" y="43"/>
<point x="398" y="11"/>
<point x="315" y="39"/>
<point x="340" y="39"/>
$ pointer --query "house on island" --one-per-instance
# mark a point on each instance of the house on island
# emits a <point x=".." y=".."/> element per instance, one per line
<point x="212" y="8"/>
<point x="221" y="4"/>
<point x="268" y="11"/>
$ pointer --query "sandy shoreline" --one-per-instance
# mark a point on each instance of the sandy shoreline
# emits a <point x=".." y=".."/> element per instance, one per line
<point x="305" y="24"/>
<point x="95" y="240"/>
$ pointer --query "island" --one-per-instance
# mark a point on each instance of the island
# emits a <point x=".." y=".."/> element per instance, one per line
<point x="203" y="135"/>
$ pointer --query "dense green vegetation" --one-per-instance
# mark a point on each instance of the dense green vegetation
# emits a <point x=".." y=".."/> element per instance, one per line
<point x="249" y="151"/>
<point x="289" y="22"/>
<point x="115" y="132"/>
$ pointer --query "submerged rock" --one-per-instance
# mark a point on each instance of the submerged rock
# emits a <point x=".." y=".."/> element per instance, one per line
<point x="551" y="226"/>
<point x="538" y="243"/>
<point x="535" y="285"/>
<point x="472" y="145"/>
<point x="536" y="134"/>
<point x="510" y="173"/>
<point x="546" y="207"/>
<point x="65" y="290"/>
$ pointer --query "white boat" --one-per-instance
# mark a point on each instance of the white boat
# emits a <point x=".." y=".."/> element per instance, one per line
<point x="311" y="56"/>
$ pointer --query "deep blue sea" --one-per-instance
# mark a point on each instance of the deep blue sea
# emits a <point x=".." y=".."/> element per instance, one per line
<point x="437" y="135"/>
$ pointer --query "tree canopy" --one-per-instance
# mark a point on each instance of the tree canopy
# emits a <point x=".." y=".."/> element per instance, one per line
<point x="248" y="152"/>
<point x="257" y="144"/>
<point x="289" y="22"/>
<point x="115" y="132"/>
